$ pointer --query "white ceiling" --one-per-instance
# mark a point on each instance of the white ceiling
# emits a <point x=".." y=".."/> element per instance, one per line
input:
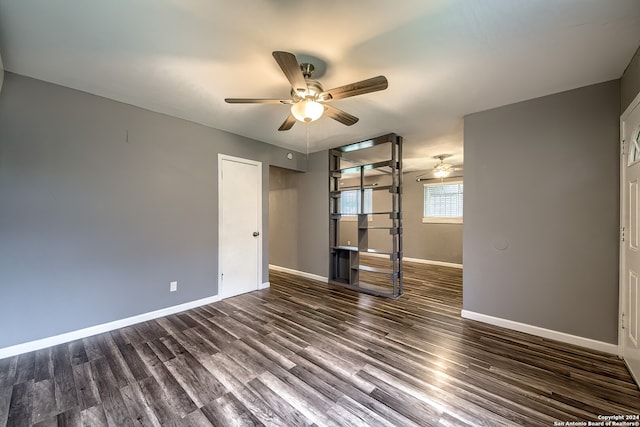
<point x="443" y="58"/>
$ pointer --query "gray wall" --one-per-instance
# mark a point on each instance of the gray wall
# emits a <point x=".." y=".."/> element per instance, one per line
<point x="313" y="211"/>
<point x="93" y="226"/>
<point x="302" y="242"/>
<point x="283" y="217"/>
<point x="541" y="176"/>
<point x="435" y="242"/>
<point x="630" y="82"/>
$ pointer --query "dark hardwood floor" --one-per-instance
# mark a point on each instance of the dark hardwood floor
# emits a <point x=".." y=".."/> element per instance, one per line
<point x="304" y="353"/>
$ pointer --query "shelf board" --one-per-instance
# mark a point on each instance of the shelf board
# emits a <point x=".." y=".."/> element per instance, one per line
<point x="395" y="255"/>
<point x="375" y="251"/>
<point x="392" y="230"/>
<point x="390" y="188"/>
<point x="346" y="248"/>
<point x="392" y="215"/>
<point x="339" y="215"/>
<point x="383" y="139"/>
<point x="368" y="166"/>
<point x="392" y="255"/>
<point x="374" y="269"/>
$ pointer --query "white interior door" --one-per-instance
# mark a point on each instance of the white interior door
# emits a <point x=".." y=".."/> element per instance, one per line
<point x="240" y="225"/>
<point x="630" y="251"/>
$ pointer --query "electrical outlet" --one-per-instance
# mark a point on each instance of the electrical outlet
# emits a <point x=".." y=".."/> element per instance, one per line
<point x="173" y="286"/>
<point x="348" y="242"/>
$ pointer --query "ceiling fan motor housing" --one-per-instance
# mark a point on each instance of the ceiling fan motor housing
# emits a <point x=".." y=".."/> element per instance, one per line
<point x="314" y="89"/>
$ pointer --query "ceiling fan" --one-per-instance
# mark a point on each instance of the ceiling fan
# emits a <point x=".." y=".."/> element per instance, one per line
<point x="441" y="170"/>
<point x="309" y="101"/>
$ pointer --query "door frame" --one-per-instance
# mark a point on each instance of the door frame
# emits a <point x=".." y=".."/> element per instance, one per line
<point x="622" y="298"/>
<point x="221" y="158"/>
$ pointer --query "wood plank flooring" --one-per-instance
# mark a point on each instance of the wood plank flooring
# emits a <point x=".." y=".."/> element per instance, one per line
<point x="304" y="353"/>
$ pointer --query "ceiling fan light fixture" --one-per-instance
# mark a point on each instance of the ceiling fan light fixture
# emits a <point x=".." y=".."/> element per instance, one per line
<point x="441" y="173"/>
<point x="307" y="110"/>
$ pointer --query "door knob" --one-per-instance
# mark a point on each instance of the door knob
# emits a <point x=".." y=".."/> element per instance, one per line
<point x="256" y="234"/>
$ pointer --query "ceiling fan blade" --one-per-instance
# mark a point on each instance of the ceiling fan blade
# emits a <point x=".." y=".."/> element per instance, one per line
<point x="256" y="101"/>
<point x="288" y="123"/>
<point x="291" y="69"/>
<point x="373" y="84"/>
<point x="339" y="115"/>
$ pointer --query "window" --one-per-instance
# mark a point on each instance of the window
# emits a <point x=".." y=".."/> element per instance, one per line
<point x="443" y="202"/>
<point x="350" y="202"/>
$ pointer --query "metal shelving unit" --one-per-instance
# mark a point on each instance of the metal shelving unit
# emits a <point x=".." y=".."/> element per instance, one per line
<point x="349" y="264"/>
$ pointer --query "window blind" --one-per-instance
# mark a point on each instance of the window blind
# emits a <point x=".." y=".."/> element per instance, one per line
<point x="350" y="202"/>
<point x="443" y="200"/>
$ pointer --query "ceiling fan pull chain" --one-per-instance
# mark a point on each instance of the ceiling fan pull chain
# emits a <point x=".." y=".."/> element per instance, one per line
<point x="308" y="124"/>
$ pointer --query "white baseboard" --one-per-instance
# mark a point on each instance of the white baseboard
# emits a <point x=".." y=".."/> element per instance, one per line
<point x="300" y="273"/>
<point x="420" y="261"/>
<point x="265" y="285"/>
<point x="26" y="347"/>
<point x="428" y="261"/>
<point x="542" y="332"/>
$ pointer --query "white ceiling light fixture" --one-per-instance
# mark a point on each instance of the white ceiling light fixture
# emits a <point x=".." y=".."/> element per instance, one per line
<point x="307" y="110"/>
<point x="441" y="173"/>
<point x="305" y="107"/>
